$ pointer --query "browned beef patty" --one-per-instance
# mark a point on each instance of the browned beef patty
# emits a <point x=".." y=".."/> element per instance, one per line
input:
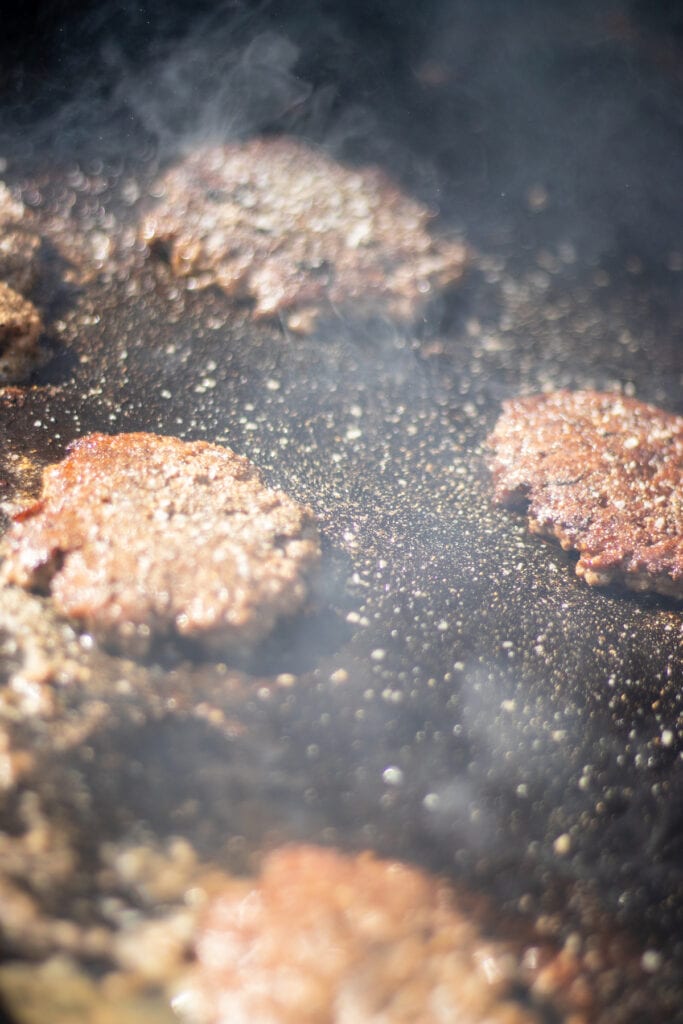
<point x="19" y="244"/>
<point x="604" y="475"/>
<point x="20" y="328"/>
<point x="282" y="225"/>
<point x="324" y="937"/>
<point x="138" y="534"/>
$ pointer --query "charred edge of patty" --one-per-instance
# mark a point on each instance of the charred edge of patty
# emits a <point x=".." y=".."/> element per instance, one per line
<point x="637" y="580"/>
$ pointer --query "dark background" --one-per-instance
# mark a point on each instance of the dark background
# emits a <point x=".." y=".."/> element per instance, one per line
<point x="472" y="103"/>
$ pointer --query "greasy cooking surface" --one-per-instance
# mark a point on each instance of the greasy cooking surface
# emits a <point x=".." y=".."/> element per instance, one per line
<point x="465" y="701"/>
<point x="471" y="703"/>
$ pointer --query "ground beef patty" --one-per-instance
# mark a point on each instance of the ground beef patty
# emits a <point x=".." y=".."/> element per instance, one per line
<point x="20" y="328"/>
<point x="282" y="225"/>
<point x="604" y="475"/>
<point x="19" y="244"/>
<point x="137" y="534"/>
<point x="323" y="937"/>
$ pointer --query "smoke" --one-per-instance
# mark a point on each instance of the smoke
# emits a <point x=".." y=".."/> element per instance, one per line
<point x="563" y="116"/>
<point x="491" y="111"/>
<point x="571" y="105"/>
<point x="151" y="81"/>
<point x="524" y="121"/>
<point x="206" y="88"/>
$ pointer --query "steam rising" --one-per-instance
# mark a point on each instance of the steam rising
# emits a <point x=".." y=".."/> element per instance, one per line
<point x="486" y="110"/>
<point x="577" y="99"/>
<point x="206" y="88"/>
<point x="534" y="130"/>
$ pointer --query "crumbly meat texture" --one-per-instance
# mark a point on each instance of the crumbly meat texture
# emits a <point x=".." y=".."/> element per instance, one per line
<point x="137" y="534"/>
<point x="20" y="328"/>
<point x="19" y="244"/>
<point x="604" y="475"/>
<point x="325" y="937"/>
<point x="282" y="225"/>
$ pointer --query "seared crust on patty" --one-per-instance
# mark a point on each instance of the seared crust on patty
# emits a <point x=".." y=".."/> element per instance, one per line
<point x="282" y="225"/>
<point x="137" y="534"/>
<point x="604" y="475"/>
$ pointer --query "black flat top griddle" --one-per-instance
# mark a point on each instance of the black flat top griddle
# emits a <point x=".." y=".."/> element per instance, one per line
<point x="460" y="698"/>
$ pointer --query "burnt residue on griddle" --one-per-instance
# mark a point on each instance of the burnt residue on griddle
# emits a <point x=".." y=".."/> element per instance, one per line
<point x="472" y="709"/>
<point x="476" y="713"/>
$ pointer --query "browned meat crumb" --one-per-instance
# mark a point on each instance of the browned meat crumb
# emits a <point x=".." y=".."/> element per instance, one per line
<point x="324" y="937"/>
<point x="62" y="992"/>
<point x="20" y="328"/>
<point x="19" y="244"/>
<point x="317" y="936"/>
<point x="137" y="534"/>
<point x="282" y="225"/>
<point x="604" y="475"/>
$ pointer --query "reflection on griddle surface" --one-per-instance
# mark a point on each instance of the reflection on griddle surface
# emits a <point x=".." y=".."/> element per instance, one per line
<point x="467" y="706"/>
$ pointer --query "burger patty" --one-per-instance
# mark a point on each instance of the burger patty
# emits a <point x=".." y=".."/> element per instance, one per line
<point x="325" y="937"/>
<point x="19" y="244"/>
<point x="282" y="225"/>
<point x="20" y="328"/>
<point x="604" y="475"/>
<point x="136" y="535"/>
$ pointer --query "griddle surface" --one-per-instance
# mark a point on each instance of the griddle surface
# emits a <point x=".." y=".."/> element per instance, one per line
<point x="460" y="699"/>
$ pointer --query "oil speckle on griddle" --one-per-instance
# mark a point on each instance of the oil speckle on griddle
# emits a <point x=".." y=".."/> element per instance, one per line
<point x="465" y="704"/>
